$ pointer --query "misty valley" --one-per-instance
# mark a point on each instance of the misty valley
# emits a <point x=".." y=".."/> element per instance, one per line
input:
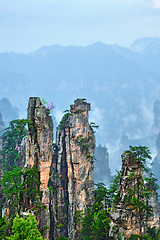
<point x="82" y="160"/>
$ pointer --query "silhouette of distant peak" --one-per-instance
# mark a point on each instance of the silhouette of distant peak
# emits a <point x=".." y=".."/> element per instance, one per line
<point x="142" y="44"/>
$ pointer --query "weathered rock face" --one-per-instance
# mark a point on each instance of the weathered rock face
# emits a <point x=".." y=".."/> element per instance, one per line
<point x="153" y="220"/>
<point x="127" y="219"/>
<point x="2" y="125"/>
<point x="39" y="150"/>
<point x="102" y="172"/>
<point x="73" y="171"/>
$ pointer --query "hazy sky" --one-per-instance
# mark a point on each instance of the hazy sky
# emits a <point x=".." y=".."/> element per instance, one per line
<point x="26" y="25"/>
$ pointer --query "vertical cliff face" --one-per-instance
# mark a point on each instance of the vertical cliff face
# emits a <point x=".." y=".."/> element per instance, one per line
<point x="73" y="168"/>
<point x="39" y="150"/>
<point x="153" y="220"/>
<point x="127" y="216"/>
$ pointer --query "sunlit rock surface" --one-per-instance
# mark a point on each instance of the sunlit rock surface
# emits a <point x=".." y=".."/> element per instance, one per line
<point x="72" y="168"/>
<point x="39" y="151"/>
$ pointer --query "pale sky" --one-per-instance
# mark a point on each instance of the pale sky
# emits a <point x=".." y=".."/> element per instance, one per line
<point x="26" y="25"/>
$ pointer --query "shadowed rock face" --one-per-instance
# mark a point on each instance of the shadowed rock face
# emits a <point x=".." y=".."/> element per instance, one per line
<point x="39" y="150"/>
<point x="126" y="218"/>
<point x="73" y="168"/>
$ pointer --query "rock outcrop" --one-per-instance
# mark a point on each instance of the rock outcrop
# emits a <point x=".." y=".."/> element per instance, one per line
<point x="153" y="219"/>
<point x="127" y="216"/>
<point x="102" y="172"/>
<point x="39" y="151"/>
<point x="72" y="170"/>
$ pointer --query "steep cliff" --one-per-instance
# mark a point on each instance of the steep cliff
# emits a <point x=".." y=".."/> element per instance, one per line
<point x="39" y="151"/>
<point x="72" y="169"/>
<point x="130" y="213"/>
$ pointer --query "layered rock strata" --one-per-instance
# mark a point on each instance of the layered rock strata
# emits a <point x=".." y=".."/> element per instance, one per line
<point x="39" y="151"/>
<point x="72" y="169"/>
<point x="127" y="217"/>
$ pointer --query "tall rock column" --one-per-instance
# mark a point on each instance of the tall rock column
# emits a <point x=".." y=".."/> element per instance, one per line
<point x="39" y="151"/>
<point x="128" y="213"/>
<point x="74" y="168"/>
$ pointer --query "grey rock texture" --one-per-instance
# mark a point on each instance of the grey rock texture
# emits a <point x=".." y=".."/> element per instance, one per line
<point x="126" y="218"/>
<point x="72" y="168"/>
<point x="39" y="151"/>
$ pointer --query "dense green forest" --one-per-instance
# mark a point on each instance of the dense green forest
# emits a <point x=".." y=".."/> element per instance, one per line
<point x="20" y="190"/>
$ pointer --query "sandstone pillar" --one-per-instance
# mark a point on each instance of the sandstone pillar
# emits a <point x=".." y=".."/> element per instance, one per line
<point x="128" y="216"/>
<point x="73" y="168"/>
<point x="39" y="151"/>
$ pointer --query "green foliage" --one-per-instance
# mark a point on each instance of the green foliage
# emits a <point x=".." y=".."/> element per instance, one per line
<point x="21" y="193"/>
<point x="95" y="222"/>
<point x="44" y="102"/>
<point x="19" y="187"/>
<point x="150" y="182"/>
<point x="11" y="187"/>
<point x="30" y="186"/>
<point x="138" y="196"/>
<point x="25" y="228"/>
<point x="140" y="154"/>
<point x="4" y="227"/>
<point x="152" y="234"/>
<point x="84" y="145"/>
<point x="78" y="216"/>
<point x="11" y="139"/>
<point x="94" y="126"/>
<point x="64" y="120"/>
<point x="48" y="106"/>
<point x="112" y="195"/>
<point x="62" y="238"/>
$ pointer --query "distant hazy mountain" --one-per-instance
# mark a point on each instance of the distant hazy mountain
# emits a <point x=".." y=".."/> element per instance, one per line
<point x="121" y="83"/>
<point x="8" y="112"/>
<point x="146" y="44"/>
